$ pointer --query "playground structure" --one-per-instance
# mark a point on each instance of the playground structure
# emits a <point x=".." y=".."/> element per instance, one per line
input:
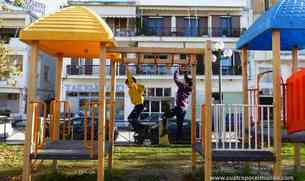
<point x="79" y="32"/>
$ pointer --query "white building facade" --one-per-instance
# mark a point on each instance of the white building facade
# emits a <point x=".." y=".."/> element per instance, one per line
<point x="261" y="61"/>
<point x="171" y="24"/>
<point x="13" y="92"/>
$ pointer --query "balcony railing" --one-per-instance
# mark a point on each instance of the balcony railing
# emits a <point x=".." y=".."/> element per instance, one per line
<point x="138" y="70"/>
<point x="227" y="70"/>
<point x="179" y="32"/>
<point x="144" y="70"/>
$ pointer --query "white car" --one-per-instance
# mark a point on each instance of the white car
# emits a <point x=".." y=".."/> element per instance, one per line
<point x="6" y="128"/>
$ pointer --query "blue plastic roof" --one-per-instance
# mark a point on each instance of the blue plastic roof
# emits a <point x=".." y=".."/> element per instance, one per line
<point x="287" y="16"/>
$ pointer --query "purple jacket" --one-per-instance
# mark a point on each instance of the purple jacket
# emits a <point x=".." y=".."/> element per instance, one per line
<point x="182" y="93"/>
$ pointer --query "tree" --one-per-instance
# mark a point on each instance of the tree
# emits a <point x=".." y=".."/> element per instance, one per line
<point x="8" y="68"/>
<point x="19" y="3"/>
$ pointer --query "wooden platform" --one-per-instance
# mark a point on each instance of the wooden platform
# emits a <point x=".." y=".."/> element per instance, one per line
<point x="66" y="150"/>
<point x="238" y="155"/>
<point x="298" y="137"/>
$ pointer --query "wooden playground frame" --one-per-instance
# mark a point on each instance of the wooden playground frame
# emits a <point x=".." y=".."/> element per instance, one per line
<point x="206" y="142"/>
<point x="191" y="54"/>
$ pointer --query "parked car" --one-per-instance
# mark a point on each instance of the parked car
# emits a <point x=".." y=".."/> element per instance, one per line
<point x="79" y="128"/>
<point x="6" y="128"/>
<point x="151" y="130"/>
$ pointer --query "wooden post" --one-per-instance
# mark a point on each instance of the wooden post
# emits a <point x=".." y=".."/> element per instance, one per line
<point x="112" y="115"/>
<point x="194" y="70"/>
<point x="86" y="127"/>
<point x="59" y="64"/>
<point x="294" y="66"/>
<point x="297" y="146"/>
<point x="102" y="111"/>
<point x="56" y="116"/>
<point x="245" y="88"/>
<point x="208" y="106"/>
<point x="27" y="165"/>
<point x="276" y="48"/>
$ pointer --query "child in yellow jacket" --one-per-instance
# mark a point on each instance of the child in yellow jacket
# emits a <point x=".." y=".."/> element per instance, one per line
<point x="135" y="91"/>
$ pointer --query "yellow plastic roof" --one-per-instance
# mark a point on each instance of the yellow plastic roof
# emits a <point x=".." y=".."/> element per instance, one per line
<point x="72" y="32"/>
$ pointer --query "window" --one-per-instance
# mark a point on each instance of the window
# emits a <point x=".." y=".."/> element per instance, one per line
<point x="157" y="101"/>
<point x="267" y="78"/>
<point x="167" y="92"/>
<point x="84" y="94"/>
<point x="225" y="25"/>
<point x="94" y="94"/>
<point x="155" y="106"/>
<point x="46" y="73"/>
<point x="267" y="4"/>
<point x="165" y="106"/>
<point x="159" y="92"/>
<point x="72" y="94"/>
<point x="191" y="25"/>
<point x="12" y="96"/>
<point x="150" y="92"/>
<point x="155" y="25"/>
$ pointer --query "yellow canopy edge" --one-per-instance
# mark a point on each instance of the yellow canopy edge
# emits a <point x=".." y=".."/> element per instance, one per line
<point x="71" y="32"/>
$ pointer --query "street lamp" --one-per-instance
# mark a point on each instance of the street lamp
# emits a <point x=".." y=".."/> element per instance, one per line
<point x="219" y="52"/>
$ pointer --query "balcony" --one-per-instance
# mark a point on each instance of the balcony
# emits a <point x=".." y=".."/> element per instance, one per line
<point x="179" y="32"/>
<point x="89" y="70"/>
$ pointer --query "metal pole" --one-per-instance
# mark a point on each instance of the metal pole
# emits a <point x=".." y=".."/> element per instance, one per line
<point x="219" y="82"/>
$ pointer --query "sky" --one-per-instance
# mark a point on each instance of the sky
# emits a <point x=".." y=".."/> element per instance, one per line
<point x="52" y="5"/>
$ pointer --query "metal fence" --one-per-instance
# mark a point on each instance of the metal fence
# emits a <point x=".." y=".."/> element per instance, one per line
<point x="229" y="130"/>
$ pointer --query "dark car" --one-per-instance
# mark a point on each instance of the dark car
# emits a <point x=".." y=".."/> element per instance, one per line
<point x="151" y="131"/>
<point x="78" y="128"/>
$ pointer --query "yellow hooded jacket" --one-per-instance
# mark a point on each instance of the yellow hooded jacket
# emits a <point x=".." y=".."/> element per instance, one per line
<point x="135" y="91"/>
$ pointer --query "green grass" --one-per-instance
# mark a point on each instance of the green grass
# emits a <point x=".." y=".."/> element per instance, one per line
<point x="141" y="163"/>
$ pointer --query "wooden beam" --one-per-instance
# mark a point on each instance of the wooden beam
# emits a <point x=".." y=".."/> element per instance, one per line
<point x="112" y="115"/>
<point x="102" y="111"/>
<point x="208" y="120"/>
<point x="245" y="86"/>
<point x="297" y="147"/>
<point x="151" y="50"/>
<point x="58" y="72"/>
<point x="27" y="165"/>
<point x="169" y="61"/>
<point x="276" y="48"/>
<point x="273" y="2"/>
<point x="194" y="74"/>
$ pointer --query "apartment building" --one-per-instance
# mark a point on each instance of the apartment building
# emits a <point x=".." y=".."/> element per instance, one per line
<point x="262" y="61"/>
<point x="172" y="24"/>
<point x="13" y="92"/>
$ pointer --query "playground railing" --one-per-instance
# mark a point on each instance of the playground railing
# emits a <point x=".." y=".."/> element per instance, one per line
<point x="39" y="124"/>
<point x="230" y="131"/>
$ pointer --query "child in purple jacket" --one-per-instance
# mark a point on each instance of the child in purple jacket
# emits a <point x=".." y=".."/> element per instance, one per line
<point x="183" y="92"/>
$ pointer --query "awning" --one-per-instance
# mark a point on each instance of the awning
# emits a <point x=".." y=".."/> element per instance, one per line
<point x="7" y="90"/>
<point x="115" y="11"/>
